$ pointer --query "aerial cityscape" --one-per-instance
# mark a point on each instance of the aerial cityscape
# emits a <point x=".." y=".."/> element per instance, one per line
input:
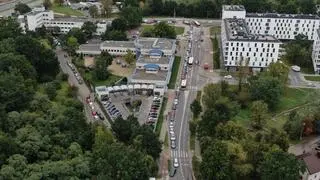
<point x="157" y="89"/>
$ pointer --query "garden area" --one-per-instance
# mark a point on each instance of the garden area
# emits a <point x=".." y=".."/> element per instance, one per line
<point x="174" y="72"/>
<point x="61" y="9"/>
<point x="312" y="78"/>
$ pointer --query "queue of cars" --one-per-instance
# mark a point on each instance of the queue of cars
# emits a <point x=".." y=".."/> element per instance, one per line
<point x="113" y="112"/>
<point x="97" y="115"/>
<point x="153" y="113"/>
<point x="75" y="72"/>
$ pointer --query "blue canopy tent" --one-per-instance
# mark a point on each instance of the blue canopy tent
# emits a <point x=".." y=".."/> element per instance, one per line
<point x="151" y="67"/>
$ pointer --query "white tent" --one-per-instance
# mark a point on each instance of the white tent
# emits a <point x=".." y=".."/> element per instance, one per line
<point x="150" y="86"/>
<point x="124" y="87"/>
<point x="144" y="86"/>
<point x="110" y="89"/>
<point x="116" y="88"/>
<point x="137" y="86"/>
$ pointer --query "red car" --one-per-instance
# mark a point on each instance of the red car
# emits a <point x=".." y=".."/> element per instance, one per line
<point x="94" y="113"/>
<point x="88" y="100"/>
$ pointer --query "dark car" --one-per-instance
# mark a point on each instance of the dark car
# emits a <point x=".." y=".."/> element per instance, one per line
<point x="100" y="116"/>
<point x="172" y="171"/>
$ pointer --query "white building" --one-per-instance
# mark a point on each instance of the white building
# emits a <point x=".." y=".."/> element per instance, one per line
<point x="316" y="52"/>
<point x="239" y="44"/>
<point x="261" y="33"/>
<point x="39" y="17"/>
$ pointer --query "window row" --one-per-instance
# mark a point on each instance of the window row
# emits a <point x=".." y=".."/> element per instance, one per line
<point x="249" y="49"/>
<point x="248" y="44"/>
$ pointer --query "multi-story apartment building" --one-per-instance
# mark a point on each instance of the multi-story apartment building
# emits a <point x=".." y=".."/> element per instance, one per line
<point x="316" y="52"/>
<point x="40" y="17"/>
<point x="264" y="31"/>
<point x="239" y="44"/>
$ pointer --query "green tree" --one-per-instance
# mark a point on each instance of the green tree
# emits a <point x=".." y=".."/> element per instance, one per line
<point x="93" y="11"/>
<point x="294" y="125"/>
<point x="211" y="93"/>
<point x="129" y="57"/>
<point x="7" y="46"/>
<point x="133" y="16"/>
<point x="101" y="66"/>
<point x="72" y="44"/>
<point x="15" y="168"/>
<point x="279" y="70"/>
<point x="119" y="24"/>
<point x="47" y="4"/>
<point x="281" y="165"/>
<point x="122" y="129"/>
<point x="267" y="89"/>
<point x="277" y="137"/>
<point x="80" y="34"/>
<point x="51" y="90"/>
<point x="9" y="28"/>
<point x="230" y="131"/>
<point x="259" y="114"/>
<point x="115" y="35"/>
<point x="196" y="108"/>
<point x="59" y="2"/>
<point x="89" y="28"/>
<point x="22" y="8"/>
<point x="216" y="162"/>
<point x="163" y="30"/>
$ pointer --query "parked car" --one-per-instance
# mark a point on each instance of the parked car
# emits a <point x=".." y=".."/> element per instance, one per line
<point x="100" y="116"/>
<point x="296" y="68"/>
<point x="172" y="137"/>
<point x="172" y="172"/>
<point x="228" y="77"/>
<point x="94" y="113"/>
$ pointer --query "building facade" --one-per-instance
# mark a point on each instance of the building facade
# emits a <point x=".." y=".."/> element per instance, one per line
<point x="39" y="17"/>
<point x="264" y="32"/>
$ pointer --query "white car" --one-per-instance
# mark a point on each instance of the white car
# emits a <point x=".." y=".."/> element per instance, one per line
<point x="228" y="77"/>
<point x="311" y="84"/>
<point x="172" y="137"/>
<point x="176" y="101"/>
<point x="296" y="68"/>
<point x="175" y="162"/>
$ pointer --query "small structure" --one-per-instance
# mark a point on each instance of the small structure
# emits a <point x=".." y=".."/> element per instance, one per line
<point x="312" y="161"/>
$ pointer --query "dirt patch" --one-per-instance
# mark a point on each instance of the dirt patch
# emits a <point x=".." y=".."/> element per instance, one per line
<point x="116" y="69"/>
<point x="88" y="61"/>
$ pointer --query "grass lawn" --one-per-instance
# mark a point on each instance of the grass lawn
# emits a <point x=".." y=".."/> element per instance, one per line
<point x="215" y="30"/>
<point x="160" y="119"/>
<point x="312" y="78"/>
<point x="66" y="10"/>
<point x="110" y="81"/>
<point x="179" y="30"/>
<point x="293" y="97"/>
<point x="166" y="141"/>
<point x="174" y="72"/>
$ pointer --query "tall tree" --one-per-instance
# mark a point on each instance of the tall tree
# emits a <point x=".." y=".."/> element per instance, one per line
<point x="281" y="165"/>
<point x="9" y="28"/>
<point x="259" y="114"/>
<point x="119" y="24"/>
<point x="163" y="30"/>
<point x="115" y="35"/>
<point x="93" y="11"/>
<point x="106" y="8"/>
<point x="47" y="4"/>
<point x="279" y="70"/>
<point x="196" y="108"/>
<point x="133" y="16"/>
<point x="89" y="28"/>
<point x="22" y="8"/>
<point x="129" y="57"/>
<point x="267" y="89"/>
<point x="72" y="44"/>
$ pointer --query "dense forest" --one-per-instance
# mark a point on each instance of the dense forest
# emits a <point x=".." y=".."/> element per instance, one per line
<point x="212" y="8"/>
<point x="43" y="130"/>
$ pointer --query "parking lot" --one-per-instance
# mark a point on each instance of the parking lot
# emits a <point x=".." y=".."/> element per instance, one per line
<point x="121" y="104"/>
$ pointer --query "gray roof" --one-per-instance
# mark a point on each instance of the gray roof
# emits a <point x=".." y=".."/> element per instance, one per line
<point x="237" y="30"/>
<point x="89" y="47"/>
<point x="155" y="43"/>
<point x="233" y="8"/>
<point x="312" y="161"/>
<point x="142" y="75"/>
<point x="158" y="60"/>
<point x="128" y="44"/>
<point x="287" y="16"/>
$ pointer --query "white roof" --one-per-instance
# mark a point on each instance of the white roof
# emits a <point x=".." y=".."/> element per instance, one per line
<point x="130" y="86"/>
<point x="124" y="87"/>
<point x="144" y="86"/>
<point x="116" y="88"/>
<point x="150" y="86"/>
<point x="137" y="86"/>
<point x="110" y="89"/>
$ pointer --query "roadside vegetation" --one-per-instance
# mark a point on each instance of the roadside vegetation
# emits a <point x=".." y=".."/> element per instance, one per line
<point x="312" y="78"/>
<point x="249" y="126"/>
<point x="66" y="10"/>
<point x="216" y="52"/>
<point x="162" y="30"/>
<point x="174" y="72"/>
<point x="161" y="116"/>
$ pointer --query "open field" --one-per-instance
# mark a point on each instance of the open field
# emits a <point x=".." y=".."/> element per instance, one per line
<point x="312" y="78"/>
<point x="174" y="72"/>
<point x="292" y="98"/>
<point x="110" y="81"/>
<point x="66" y="10"/>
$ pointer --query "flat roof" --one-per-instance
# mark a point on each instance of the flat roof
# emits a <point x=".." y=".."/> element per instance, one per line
<point x="237" y="30"/>
<point x="233" y="8"/>
<point x="157" y="60"/>
<point x="89" y="47"/>
<point x="155" y="43"/>
<point x="288" y="16"/>
<point x="127" y="44"/>
<point x="142" y="75"/>
<point x="312" y="161"/>
<point x="35" y="12"/>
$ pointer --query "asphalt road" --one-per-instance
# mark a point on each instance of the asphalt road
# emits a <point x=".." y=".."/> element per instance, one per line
<point x="183" y="114"/>
<point x="83" y="90"/>
<point x="7" y="8"/>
